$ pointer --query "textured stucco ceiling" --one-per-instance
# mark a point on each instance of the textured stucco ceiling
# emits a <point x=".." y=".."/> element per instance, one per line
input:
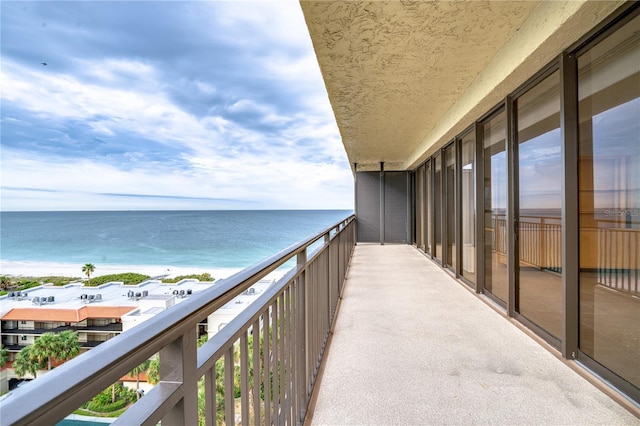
<point x="395" y="70"/>
<point x="392" y="69"/>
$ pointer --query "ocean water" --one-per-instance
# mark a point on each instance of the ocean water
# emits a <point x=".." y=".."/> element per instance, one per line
<point x="203" y="239"/>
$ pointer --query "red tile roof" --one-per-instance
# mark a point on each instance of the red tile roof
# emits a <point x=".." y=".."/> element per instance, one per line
<point x="66" y="315"/>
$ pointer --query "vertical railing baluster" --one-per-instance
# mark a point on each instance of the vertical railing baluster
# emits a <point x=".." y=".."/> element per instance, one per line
<point x="292" y="356"/>
<point x="266" y="356"/>
<point x="275" y="365"/>
<point x="229" y="387"/>
<point x="255" y="336"/>
<point x="290" y="363"/>
<point x="282" y="352"/>
<point x="286" y="401"/>
<point x="301" y="338"/>
<point x="599" y="274"/>
<point x="210" y="397"/>
<point x="313" y="279"/>
<point x="244" y="378"/>
<point x="293" y="379"/>
<point x="309" y="326"/>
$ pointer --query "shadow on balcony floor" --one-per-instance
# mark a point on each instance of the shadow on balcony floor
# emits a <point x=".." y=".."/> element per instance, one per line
<point x="412" y="347"/>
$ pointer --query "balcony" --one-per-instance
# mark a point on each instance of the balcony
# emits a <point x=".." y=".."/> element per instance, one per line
<point x="410" y="345"/>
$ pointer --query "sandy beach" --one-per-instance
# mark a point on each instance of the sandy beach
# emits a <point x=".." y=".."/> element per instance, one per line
<point x="43" y="269"/>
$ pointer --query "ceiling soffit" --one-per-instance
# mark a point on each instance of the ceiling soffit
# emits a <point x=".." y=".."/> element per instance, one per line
<point x="393" y="69"/>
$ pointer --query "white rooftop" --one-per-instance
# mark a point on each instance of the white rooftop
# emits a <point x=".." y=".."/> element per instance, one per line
<point x="76" y="295"/>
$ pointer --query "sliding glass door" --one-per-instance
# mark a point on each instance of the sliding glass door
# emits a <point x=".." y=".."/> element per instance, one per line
<point x="609" y="203"/>
<point x="540" y="175"/>
<point x="468" y="206"/>
<point x="437" y="206"/>
<point x="450" y="204"/>
<point x="495" y="207"/>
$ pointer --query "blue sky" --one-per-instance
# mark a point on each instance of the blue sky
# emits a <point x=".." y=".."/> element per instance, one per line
<point x="165" y="105"/>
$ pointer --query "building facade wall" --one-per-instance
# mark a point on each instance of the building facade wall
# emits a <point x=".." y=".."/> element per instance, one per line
<point x="544" y="216"/>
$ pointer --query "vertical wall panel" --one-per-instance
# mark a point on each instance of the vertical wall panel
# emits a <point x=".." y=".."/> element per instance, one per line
<point x="368" y="206"/>
<point x="395" y="207"/>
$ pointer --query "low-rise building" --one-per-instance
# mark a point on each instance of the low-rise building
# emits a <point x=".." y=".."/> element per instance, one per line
<point x="100" y="313"/>
<point x="96" y="313"/>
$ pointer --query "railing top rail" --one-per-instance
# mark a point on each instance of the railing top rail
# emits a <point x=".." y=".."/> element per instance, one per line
<point x="76" y="381"/>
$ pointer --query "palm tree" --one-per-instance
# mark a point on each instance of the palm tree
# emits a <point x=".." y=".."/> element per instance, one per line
<point x="88" y="269"/>
<point x="59" y="346"/>
<point x="69" y="346"/>
<point x="26" y="364"/>
<point x="45" y="348"/>
<point x="136" y="372"/>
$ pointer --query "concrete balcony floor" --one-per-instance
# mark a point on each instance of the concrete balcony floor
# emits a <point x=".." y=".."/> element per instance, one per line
<point x="411" y="346"/>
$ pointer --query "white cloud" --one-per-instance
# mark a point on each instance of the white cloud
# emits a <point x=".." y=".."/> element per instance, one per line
<point x="230" y="143"/>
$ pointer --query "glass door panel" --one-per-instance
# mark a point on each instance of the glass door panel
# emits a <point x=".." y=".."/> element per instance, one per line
<point x="420" y="208"/>
<point x="437" y="198"/>
<point x="540" y="199"/>
<point x="468" y="207"/>
<point x="609" y="202"/>
<point x="428" y="226"/>
<point x="450" y="204"/>
<point x="495" y="207"/>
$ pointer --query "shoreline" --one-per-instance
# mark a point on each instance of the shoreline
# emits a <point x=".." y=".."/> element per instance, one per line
<point x="33" y="269"/>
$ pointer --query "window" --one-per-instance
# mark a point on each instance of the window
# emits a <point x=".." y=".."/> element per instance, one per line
<point x="449" y="200"/>
<point x="495" y="206"/>
<point x="468" y="206"/>
<point x="540" y="176"/>
<point x="609" y="195"/>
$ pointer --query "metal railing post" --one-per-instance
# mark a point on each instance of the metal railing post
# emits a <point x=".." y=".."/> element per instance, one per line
<point x="301" y="339"/>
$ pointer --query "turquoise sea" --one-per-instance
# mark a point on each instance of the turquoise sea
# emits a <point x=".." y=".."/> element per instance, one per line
<point x="203" y="239"/>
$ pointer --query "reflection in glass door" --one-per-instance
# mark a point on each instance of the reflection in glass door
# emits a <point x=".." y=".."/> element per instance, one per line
<point x="609" y="191"/>
<point x="429" y="207"/>
<point x="420" y="204"/>
<point x="468" y="207"/>
<point x="437" y="205"/>
<point x="495" y="207"/>
<point x="450" y="203"/>
<point x="540" y="205"/>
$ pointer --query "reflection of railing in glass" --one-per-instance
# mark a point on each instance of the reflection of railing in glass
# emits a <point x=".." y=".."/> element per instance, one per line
<point x="540" y="241"/>
<point x="540" y="245"/>
<point x="618" y="259"/>
<point x="499" y="234"/>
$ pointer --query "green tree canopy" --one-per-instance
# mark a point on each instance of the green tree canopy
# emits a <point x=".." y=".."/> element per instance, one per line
<point x="153" y="373"/>
<point x="4" y="355"/>
<point x="59" y="346"/>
